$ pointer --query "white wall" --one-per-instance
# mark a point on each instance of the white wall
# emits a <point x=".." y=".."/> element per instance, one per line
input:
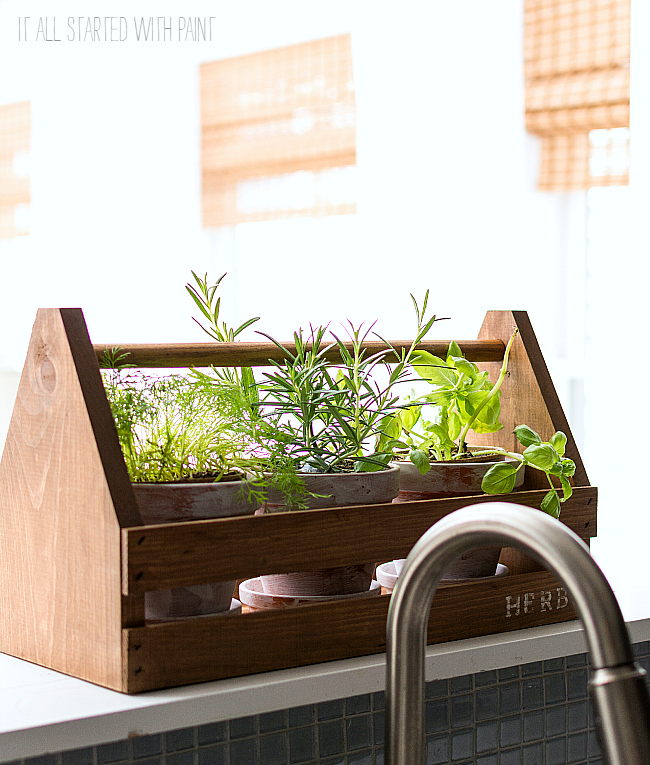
<point x="447" y="176"/>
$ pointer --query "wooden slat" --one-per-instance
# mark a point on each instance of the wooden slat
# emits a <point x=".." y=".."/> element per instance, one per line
<point x="261" y="354"/>
<point x="211" y="648"/>
<point x="196" y="552"/>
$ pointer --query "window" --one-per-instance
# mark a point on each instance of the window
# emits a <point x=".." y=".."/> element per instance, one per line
<point x="278" y="134"/>
<point x="15" y="126"/>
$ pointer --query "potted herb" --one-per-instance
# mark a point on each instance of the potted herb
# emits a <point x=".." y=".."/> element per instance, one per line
<point x="330" y="413"/>
<point x="187" y="459"/>
<point x="316" y="426"/>
<point x="432" y="432"/>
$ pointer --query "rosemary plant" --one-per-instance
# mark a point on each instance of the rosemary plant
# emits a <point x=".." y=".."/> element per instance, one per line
<point x="333" y="412"/>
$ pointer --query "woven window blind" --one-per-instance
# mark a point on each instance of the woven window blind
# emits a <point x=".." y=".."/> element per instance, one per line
<point x="278" y="134"/>
<point x="577" y="57"/>
<point x="15" y="128"/>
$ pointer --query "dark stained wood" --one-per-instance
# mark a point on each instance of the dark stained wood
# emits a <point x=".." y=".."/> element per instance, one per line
<point x="101" y="419"/>
<point x="165" y="556"/>
<point x="528" y="394"/>
<point x="133" y="610"/>
<point x="212" y="648"/>
<point x="528" y="398"/>
<point x="261" y="354"/>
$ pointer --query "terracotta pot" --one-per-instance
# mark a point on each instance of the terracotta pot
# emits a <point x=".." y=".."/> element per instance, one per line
<point x="252" y="595"/>
<point x="456" y="478"/>
<point x="341" y="580"/>
<point x="387" y="576"/>
<point x="173" y="502"/>
<point x="342" y="490"/>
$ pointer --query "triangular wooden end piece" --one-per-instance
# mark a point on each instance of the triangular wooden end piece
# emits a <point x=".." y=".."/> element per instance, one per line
<point x="529" y="396"/>
<point x="64" y="494"/>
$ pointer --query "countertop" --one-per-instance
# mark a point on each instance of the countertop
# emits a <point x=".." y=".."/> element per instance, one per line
<point x="45" y="711"/>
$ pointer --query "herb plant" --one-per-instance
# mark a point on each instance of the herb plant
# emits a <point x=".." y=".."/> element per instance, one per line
<point x="263" y="432"/>
<point x="547" y="456"/>
<point x="462" y="399"/>
<point x="334" y="411"/>
<point x="170" y="427"/>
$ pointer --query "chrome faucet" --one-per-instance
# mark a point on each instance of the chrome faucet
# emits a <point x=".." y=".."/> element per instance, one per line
<point x="617" y="685"/>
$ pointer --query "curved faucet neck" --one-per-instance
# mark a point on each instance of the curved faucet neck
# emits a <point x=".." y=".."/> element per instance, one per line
<point x="562" y="552"/>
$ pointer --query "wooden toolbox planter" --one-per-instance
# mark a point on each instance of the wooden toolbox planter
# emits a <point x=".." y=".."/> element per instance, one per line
<point x="75" y="559"/>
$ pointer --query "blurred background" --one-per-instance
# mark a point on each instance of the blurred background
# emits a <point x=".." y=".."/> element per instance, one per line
<point x="333" y="157"/>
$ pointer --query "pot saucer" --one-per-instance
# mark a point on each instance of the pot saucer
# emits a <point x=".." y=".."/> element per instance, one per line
<point x="234" y="610"/>
<point x="387" y="576"/>
<point x="252" y="595"/>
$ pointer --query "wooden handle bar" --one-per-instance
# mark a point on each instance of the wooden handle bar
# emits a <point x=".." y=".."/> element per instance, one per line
<point x="261" y="354"/>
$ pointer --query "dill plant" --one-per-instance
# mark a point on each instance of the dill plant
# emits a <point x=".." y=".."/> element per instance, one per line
<point x="172" y="427"/>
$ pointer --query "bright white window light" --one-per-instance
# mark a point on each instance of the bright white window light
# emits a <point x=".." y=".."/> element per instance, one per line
<point x="609" y="152"/>
<point x="21" y="218"/>
<point x="21" y="164"/>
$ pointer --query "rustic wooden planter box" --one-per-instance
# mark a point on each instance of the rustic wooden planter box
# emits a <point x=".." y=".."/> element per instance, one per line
<point x="75" y="559"/>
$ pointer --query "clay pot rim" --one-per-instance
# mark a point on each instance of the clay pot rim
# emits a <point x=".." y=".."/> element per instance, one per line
<point x="477" y="460"/>
<point x="388" y="469"/>
<point x="249" y="587"/>
<point x="192" y="482"/>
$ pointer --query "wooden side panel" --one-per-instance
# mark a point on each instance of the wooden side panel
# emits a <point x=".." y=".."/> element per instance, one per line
<point x="163" y="556"/>
<point x="529" y="396"/>
<point x="211" y="648"/>
<point x="59" y="534"/>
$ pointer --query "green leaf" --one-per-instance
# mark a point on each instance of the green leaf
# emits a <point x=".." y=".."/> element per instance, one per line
<point x="432" y="368"/>
<point x="568" y="467"/>
<point x="372" y="463"/>
<point x="440" y="397"/>
<point x="527" y="436"/>
<point x="487" y="420"/>
<point x="542" y="456"/>
<point x="410" y="415"/>
<point x="391" y="425"/>
<point x="464" y="366"/>
<point x="454" y="350"/>
<point x="500" y="479"/>
<point x="567" y="489"/>
<point x="243" y="326"/>
<point x="454" y="426"/>
<point x="551" y="504"/>
<point x="439" y="432"/>
<point x="558" y="442"/>
<point x="421" y="460"/>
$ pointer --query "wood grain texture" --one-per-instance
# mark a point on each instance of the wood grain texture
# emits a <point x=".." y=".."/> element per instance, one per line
<point x="261" y="354"/>
<point x="212" y="648"/>
<point x="528" y="394"/>
<point x="59" y="534"/>
<point x="528" y="398"/>
<point x="76" y="560"/>
<point x="164" y="556"/>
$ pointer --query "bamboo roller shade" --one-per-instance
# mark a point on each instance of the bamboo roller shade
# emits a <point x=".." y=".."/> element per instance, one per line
<point x="269" y="115"/>
<point x="15" y="129"/>
<point x="577" y="56"/>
